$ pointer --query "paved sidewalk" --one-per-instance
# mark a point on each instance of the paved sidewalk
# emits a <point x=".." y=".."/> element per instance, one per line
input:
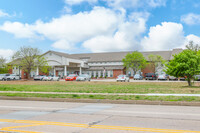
<point x="127" y="94"/>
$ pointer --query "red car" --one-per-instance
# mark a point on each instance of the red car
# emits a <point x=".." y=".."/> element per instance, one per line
<point x="71" y="77"/>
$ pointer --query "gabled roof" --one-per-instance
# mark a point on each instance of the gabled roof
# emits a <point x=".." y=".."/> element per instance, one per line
<point x="115" y="56"/>
<point x="174" y="52"/>
<point x="60" y="54"/>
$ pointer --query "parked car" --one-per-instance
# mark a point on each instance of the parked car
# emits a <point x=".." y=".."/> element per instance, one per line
<point x="173" y="78"/>
<point x="51" y="78"/>
<point x="83" y="77"/>
<point x="12" y="77"/>
<point x="151" y="76"/>
<point x="182" y="78"/>
<point x="197" y="77"/>
<point x="138" y="77"/>
<point x="123" y="78"/>
<point x="39" y="77"/>
<point x="162" y="77"/>
<point x="2" y="77"/>
<point x="71" y="77"/>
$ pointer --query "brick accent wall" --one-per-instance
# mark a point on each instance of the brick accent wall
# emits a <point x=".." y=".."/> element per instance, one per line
<point x="147" y="69"/>
<point x="10" y="71"/>
<point x="41" y="73"/>
<point x="117" y="72"/>
<point x="24" y="75"/>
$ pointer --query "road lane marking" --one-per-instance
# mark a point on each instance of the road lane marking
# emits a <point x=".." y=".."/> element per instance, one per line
<point x="11" y="129"/>
<point x="40" y="123"/>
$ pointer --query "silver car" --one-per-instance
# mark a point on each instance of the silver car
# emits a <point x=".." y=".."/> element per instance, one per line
<point x="173" y="78"/>
<point x="197" y="77"/>
<point x="162" y="77"/>
<point x="39" y="77"/>
<point x="12" y="77"/>
<point x="123" y="78"/>
<point x="83" y="77"/>
<point x="138" y="77"/>
<point x="2" y="77"/>
<point x="51" y="78"/>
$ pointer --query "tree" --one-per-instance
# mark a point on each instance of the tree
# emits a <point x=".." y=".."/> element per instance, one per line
<point x="156" y="62"/>
<point x="185" y="64"/>
<point x="2" y="61"/>
<point x="29" y="59"/>
<point x="3" y="66"/>
<point x="193" y="47"/>
<point x="134" y="60"/>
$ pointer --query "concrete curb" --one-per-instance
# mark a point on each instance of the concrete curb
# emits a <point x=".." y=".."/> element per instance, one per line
<point x="142" y="102"/>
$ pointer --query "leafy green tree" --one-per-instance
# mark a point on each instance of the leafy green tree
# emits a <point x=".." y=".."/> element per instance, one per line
<point x="2" y="61"/>
<point x="184" y="64"/>
<point x="3" y="65"/>
<point x="135" y="60"/>
<point x="29" y="59"/>
<point x="156" y="62"/>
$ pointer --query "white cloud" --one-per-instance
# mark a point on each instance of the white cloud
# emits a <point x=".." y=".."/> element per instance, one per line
<point x="103" y="29"/>
<point x="135" y="3"/>
<point x="156" y="3"/>
<point x="69" y="29"/>
<point x="193" y="38"/>
<point x="18" y="29"/>
<point x="191" y="19"/>
<point x="6" y="53"/>
<point x="166" y="36"/>
<point x="67" y="9"/>
<point x="3" y="14"/>
<point x="81" y="26"/>
<point x="126" y="37"/>
<point x="62" y="44"/>
<point x="75" y="2"/>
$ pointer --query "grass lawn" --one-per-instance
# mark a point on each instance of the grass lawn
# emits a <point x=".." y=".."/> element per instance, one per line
<point x="101" y="87"/>
<point x="115" y="97"/>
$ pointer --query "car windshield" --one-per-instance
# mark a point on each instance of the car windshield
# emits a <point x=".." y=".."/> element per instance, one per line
<point x="121" y="76"/>
<point x="72" y="75"/>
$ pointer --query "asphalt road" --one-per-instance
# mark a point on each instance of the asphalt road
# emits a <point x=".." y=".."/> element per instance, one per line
<point x="63" y="117"/>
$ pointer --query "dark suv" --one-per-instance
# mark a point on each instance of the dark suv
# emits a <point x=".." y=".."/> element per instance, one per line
<point x="151" y="76"/>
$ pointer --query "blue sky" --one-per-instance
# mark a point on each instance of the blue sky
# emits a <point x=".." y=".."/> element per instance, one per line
<point x="84" y="26"/>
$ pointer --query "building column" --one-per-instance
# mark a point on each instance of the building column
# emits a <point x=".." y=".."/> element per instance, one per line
<point x="65" y="70"/>
<point x="54" y="71"/>
<point x="37" y="71"/>
<point x="80" y="72"/>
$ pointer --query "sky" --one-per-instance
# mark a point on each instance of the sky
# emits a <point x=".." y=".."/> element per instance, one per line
<point x="88" y="26"/>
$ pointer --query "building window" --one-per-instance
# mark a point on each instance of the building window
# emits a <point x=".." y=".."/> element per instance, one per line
<point x="94" y="74"/>
<point x="111" y="73"/>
